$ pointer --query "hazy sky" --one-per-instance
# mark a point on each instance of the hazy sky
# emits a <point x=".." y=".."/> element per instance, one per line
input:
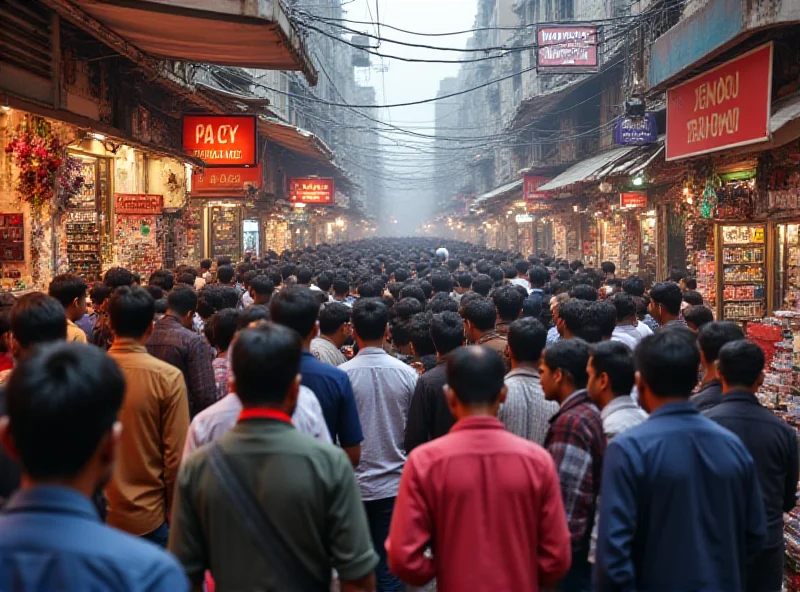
<point x="407" y="82"/>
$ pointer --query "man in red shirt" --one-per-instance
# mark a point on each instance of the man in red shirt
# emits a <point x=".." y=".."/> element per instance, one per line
<point x="489" y="501"/>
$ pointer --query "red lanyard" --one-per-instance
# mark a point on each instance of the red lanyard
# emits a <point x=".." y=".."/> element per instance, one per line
<point x="264" y="414"/>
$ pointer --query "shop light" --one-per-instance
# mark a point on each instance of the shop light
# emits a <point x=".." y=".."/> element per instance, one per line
<point x="509" y="212"/>
<point x="98" y="137"/>
<point x="299" y="206"/>
<point x="638" y="181"/>
<point x="574" y="208"/>
<point x="689" y="200"/>
<point x="519" y="204"/>
<point x="339" y="223"/>
<point x="5" y="109"/>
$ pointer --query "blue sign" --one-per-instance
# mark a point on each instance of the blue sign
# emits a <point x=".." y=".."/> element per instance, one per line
<point x="636" y="131"/>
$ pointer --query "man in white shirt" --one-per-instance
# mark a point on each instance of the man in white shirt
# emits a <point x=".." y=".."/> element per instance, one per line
<point x="626" y="330"/>
<point x="334" y="329"/>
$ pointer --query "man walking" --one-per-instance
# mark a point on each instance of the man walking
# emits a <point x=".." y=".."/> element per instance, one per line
<point x="334" y="329"/>
<point x="711" y="339"/>
<point x="486" y="500"/>
<point x="70" y="291"/>
<point x="383" y="387"/>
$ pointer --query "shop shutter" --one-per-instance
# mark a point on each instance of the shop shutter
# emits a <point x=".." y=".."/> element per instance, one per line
<point x="25" y="40"/>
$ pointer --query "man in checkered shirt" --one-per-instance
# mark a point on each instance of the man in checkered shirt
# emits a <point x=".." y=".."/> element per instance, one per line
<point x="576" y="442"/>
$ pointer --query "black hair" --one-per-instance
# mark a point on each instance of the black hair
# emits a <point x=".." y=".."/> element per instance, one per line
<point x="368" y="289"/>
<point x="265" y="362"/>
<point x="221" y="261"/>
<point x="407" y="308"/>
<point x="413" y="291"/>
<point x="333" y="315"/>
<point x="186" y="279"/>
<point x="693" y="297"/>
<point x="295" y="307"/>
<point x="370" y="319"/>
<point x="251" y="314"/>
<point x="324" y="282"/>
<point x="690" y="283"/>
<point x="532" y="306"/>
<point x="608" y="267"/>
<point x="497" y="275"/>
<point x="399" y="329"/>
<point x="633" y="286"/>
<point x="481" y="313"/>
<point x="713" y="336"/>
<point x="668" y="362"/>
<point x="668" y="295"/>
<point x="510" y="272"/>
<point x="464" y="279"/>
<point x="441" y="303"/>
<point x="570" y="356"/>
<point x="615" y="359"/>
<point x="476" y="375"/>
<point x="182" y="300"/>
<point x="447" y="332"/>
<point x="522" y="266"/>
<point x="420" y="334"/>
<point x="304" y="276"/>
<point x="508" y="301"/>
<point x="131" y="311"/>
<point x="118" y="276"/>
<point x="99" y="292"/>
<point x="262" y="285"/>
<point x="576" y="264"/>
<point x="224" y="325"/>
<point x="225" y="274"/>
<point x="155" y="291"/>
<point x="676" y="275"/>
<point x="538" y="276"/>
<point x="61" y="401"/>
<point x="401" y="275"/>
<point x="741" y="363"/>
<point x="624" y="305"/>
<point x="526" y="340"/>
<point x="205" y="264"/>
<point x="229" y="295"/>
<point x="442" y="283"/>
<point x="427" y="289"/>
<point x="38" y="318"/>
<point x="482" y="284"/>
<point x="160" y="306"/>
<point x="572" y="312"/>
<point x="341" y="286"/>
<point x="67" y="287"/>
<point x="163" y="279"/>
<point x="698" y="316"/>
<point x="599" y="320"/>
<point x="583" y="292"/>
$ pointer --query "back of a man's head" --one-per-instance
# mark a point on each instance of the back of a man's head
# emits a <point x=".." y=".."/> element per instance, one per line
<point x="475" y="374"/>
<point x="481" y="313"/>
<point x="265" y="362"/>
<point x="262" y="285"/>
<point x="508" y="302"/>
<point x="667" y="295"/>
<point x="526" y="340"/>
<point x="414" y="291"/>
<point x="698" y="316"/>
<point x="131" y="312"/>
<point x="295" y="307"/>
<point x="447" y="332"/>
<point x="304" y="276"/>
<point x="441" y="302"/>
<point x="67" y="288"/>
<point x="62" y="402"/>
<point x="571" y="312"/>
<point x="624" y="306"/>
<point x="464" y="280"/>
<point x="419" y="332"/>
<point x="599" y="321"/>
<point x="538" y="276"/>
<point x="332" y="316"/>
<point x="163" y="279"/>
<point x="370" y="319"/>
<point x="442" y="283"/>
<point x="713" y="336"/>
<point x="741" y="365"/>
<point x="37" y="319"/>
<point x="668" y="363"/>
<point x="116" y="277"/>
<point x="225" y="274"/>
<point x="182" y="300"/>
<point x="570" y="356"/>
<point x="608" y="267"/>
<point x="633" y="286"/>
<point x="583" y="292"/>
<point x="482" y="284"/>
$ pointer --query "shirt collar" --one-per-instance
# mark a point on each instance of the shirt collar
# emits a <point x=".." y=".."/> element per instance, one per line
<point x="478" y="422"/>
<point x="522" y="371"/>
<point x="575" y="399"/>
<point x="715" y="383"/>
<point x="128" y="346"/>
<point x="372" y="351"/>
<point x="742" y="396"/>
<point x="682" y="408"/>
<point x="618" y="404"/>
<point x="52" y="498"/>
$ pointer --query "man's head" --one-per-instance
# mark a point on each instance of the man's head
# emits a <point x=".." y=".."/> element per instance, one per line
<point x="538" y="276"/>
<point x="569" y="319"/>
<point x="666" y="367"/>
<point x="599" y="320"/>
<point x="70" y="290"/>
<point x="482" y="284"/>
<point x="475" y="382"/>
<point x="62" y="403"/>
<point x="413" y="291"/>
<point x="562" y="370"/>
<point x="370" y="322"/>
<point x="261" y="289"/>
<point x="693" y="298"/>
<point x="226" y="275"/>
<point x="442" y="283"/>
<point x="163" y="279"/>
<point x="297" y="308"/>
<point x="182" y="302"/>
<point x="741" y="366"/>
<point x="265" y="362"/>
<point x="205" y="265"/>
<point x="224" y="325"/>
<point x="625" y="307"/>
<point x="117" y="277"/>
<point x="712" y="337"/>
<point x="447" y="332"/>
<point x="697" y="316"/>
<point x="665" y="302"/>
<point x="419" y="331"/>
<point x="508" y="302"/>
<point x="526" y="341"/>
<point x="609" y="269"/>
<point x="131" y="312"/>
<point x="583" y="292"/>
<point x="334" y="322"/>
<point x="633" y="286"/>
<point x="463" y="281"/>
<point x="480" y="317"/>
<point x="610" y="371"/>
<point x="441" y="302"/>
<point x="341" y="288"/>
<point x="304" y="275"/>
<point x="36" y="319"/>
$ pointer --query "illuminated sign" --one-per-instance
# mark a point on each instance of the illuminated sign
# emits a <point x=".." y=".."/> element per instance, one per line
<point x="138" y="204"/>
<point x="633" y="199"/>
<point x="226" y="179"/>
<point x="221" y="140"/>
<point x="530" y="186"/>
<point x="567" y="48"/>
<point x="312" y="191"/>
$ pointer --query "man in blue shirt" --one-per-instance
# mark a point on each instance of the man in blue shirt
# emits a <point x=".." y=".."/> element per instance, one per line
<point x="62" y="404"/>
<point x="297" y="308"/>
<point x="681" y="504"/>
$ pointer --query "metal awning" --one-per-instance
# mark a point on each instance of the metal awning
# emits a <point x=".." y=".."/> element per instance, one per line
<point x="295" y="139"/>
<point x="244" y="33"/>
<point x="784" y="112"/>
<point x="589" y="169"/>
<point x="502" y="190"/>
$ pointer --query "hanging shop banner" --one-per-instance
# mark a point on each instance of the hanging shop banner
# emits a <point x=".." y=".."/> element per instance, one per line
<point x="138" y="204"/>
<point x="636" y="131"/>
<point x="530" y="187"/>
<point x="312" y="191"/>
<point x="226" y="179"/>
<point x="221" y="140"/>
<point x="725" y="107"/>
<point x="633" y="199"/>
<point x="567" y="48"/>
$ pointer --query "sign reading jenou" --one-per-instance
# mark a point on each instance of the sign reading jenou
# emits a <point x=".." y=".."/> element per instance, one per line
<point x="221" y="140"/>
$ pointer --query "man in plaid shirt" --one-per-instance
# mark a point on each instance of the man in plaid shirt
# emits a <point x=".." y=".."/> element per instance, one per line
<point x="577" y="444"/>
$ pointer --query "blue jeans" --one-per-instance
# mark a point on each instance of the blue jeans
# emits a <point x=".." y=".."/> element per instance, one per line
<point x="159" y="536"/>
<point x="379" y="516"/>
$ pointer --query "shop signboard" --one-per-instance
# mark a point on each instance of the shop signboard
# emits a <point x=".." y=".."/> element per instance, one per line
<point x="636" y="131"/>
<point x="226" y="179"/>
<point x="141" y="204"/>
<point x="530" y="187"/>
<point x="523" y="218"/>
<point x="633" y="199"/>
<point x="313" y="191"/>
<point x="221" y="140"/>
<point x="725" y="107"/>
<point x="567" y="48"/>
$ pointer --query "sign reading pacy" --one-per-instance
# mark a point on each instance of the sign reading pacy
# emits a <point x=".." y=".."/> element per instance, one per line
<point x="318" y="192"/>
<point x="226" y="179"/>
<point x="221" y="140"/>
<point x="633" y="199"/>
<point x="725" y="107"/>
<point x="530" y="187"/>
<point x="569" y="48"/>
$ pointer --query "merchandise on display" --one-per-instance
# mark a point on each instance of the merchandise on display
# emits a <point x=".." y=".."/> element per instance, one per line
<point x="743" y="271"/>
<point x="700" y="258"/>
<point x="787" y="267"/>
<point x="136" y="246"/>
<point x="225" y="233"/>
<point x="276" y="235"/>
<point x="82" y="232"/>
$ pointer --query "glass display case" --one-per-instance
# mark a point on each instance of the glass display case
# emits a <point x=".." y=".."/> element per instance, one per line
<point x="742" y="271"/>
<point x="250" y="237"/>
<point x="786" y="291"/>
<point x="226" y="233"/>
<point x="82" y="230"/>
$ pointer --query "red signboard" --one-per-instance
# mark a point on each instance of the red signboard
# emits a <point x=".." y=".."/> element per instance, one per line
<point x="138" y="204"/>
<point x="633" y="199"/>
<point x="312" y="191"/>
<point x="568" y="48"/>
<point x="725" y="107"/>
<point x="221" y="140"/>
<point x="226" y="179"/>
<point x="530" y="186"/>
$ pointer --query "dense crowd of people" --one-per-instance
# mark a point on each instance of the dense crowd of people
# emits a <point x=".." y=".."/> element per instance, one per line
<point x="381" y="415"/>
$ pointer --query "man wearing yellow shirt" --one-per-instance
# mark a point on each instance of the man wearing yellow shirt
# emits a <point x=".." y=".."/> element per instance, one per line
<point x="70" y="290"/>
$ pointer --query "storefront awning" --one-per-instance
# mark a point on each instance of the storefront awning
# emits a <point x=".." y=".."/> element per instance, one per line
<point x="784" y="113"/>
<point x="502" y="190"/>
<point x="244" y="33"/>
<point x="588" y="170"/>
<point x="295" y="139"/>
